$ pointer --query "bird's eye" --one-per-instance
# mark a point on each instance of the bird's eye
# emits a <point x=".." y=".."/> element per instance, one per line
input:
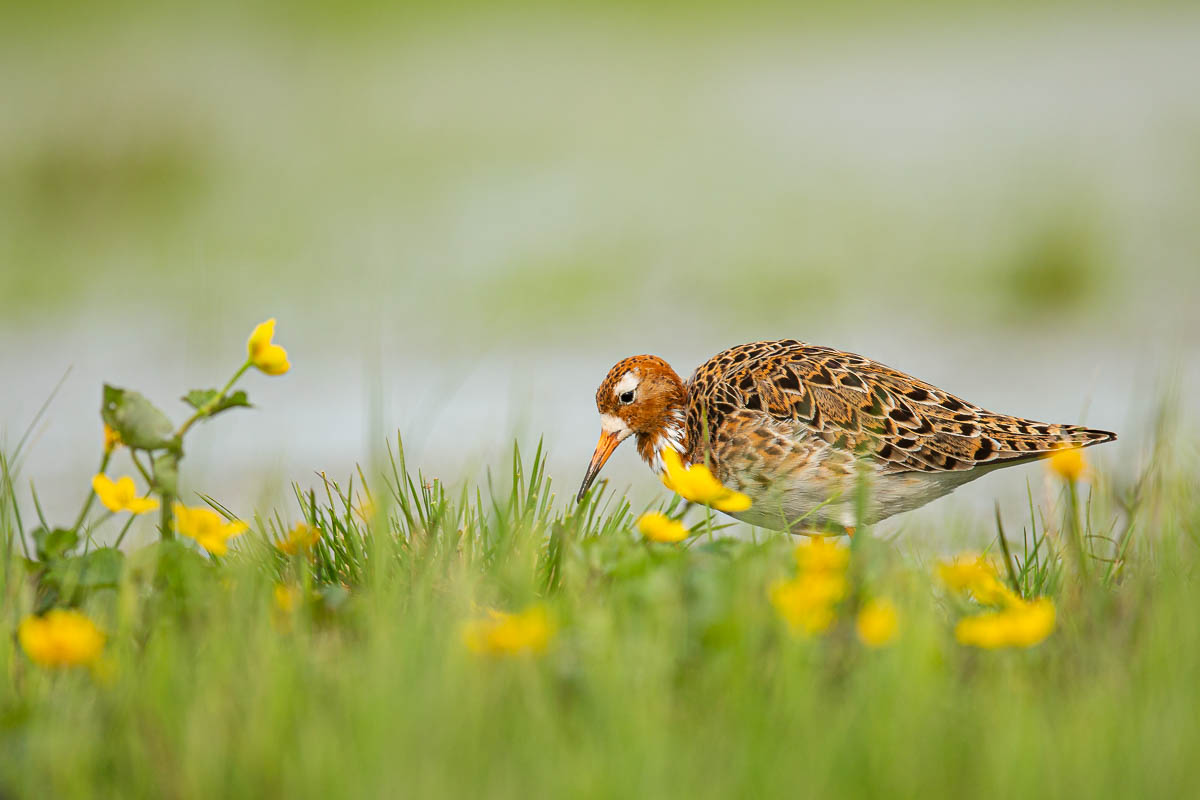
<point x="626" y="397"/>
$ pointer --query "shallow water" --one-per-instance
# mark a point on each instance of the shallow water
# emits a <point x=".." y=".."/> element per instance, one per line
<point x="460" y="417"/>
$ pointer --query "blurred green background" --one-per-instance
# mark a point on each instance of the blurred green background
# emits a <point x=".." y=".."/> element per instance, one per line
<point x="463" y="216"/>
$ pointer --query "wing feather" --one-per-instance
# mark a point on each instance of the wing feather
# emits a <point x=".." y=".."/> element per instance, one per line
<point x="860" y="405"/>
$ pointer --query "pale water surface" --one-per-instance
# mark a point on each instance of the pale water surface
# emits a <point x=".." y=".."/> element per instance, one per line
<point x="459" y="238"/>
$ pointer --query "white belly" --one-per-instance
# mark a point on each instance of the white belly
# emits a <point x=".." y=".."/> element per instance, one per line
<point x="805" y="505"/>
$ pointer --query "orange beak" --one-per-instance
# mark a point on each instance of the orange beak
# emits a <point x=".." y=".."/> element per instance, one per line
<point x="604" y="448"/>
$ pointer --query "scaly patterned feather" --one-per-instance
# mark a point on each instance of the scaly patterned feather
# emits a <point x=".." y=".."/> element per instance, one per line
<point x="857" y="405"/>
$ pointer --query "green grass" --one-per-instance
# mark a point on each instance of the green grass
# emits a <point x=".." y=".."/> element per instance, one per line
<point x="669" y="675"/>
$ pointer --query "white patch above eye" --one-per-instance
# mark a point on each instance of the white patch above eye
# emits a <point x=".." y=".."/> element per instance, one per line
<point x="629" y="381"/>
<point x="613" y="424"/>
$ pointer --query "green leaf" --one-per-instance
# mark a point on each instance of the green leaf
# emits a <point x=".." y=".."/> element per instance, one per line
<point x="54" y="544"/>
<point x="141" y="425"/>
<point x="166" y="473"/>
<point x="179" y="570"/>
<point x="101" y="567"/>
<point x="199" y="398"/>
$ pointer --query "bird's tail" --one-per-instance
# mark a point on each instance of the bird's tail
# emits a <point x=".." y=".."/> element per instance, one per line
<point x="1022" y="440"/>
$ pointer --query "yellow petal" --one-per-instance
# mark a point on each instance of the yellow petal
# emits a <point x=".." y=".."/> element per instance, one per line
<point x="142" y="505"/>
<point x="126" y="491"/>
<point x="299" y="539"/>
<point x="264" y="354"/>
<point x="980" y="631"/>
<point x="821" y="554"/>
<point x="672" y="468"/>
<point x="732" y="501"/>
<point x="970" y="573"/>
<point x="501" y="633"/>
<point x="1032" y="622"/>
<point x="112" y="439"/>
<point x="120" y="495"/>
<point x="208" y="528"/>
<point x="260" y="338"/>
<point x="60" y="638"/>
<point x="659" y="527"/>
<point x="286" y="598"/>
<point x="698" y="485"/>
<point x="807" y="602"/>
<point x="273" y="360"/>
<point x="1068" y="464"/>
<point x="877" y="623"/>
<point x="213" y="544"/>
<point x="106" y="491"/>
<point x="1024" y="625"/>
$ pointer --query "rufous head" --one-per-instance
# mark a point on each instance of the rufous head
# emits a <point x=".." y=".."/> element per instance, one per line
<point x="640" y="396"/>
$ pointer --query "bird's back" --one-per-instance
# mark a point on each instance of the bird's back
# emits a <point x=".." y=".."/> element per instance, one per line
<point x="815" y="402"/>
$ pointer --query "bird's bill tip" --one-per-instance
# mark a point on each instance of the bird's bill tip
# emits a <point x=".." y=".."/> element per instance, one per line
<point x="604" y="448"/>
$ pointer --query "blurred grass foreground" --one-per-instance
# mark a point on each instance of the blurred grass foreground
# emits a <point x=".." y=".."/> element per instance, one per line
<point x="396" y="636"/>
<point x="478" y="208"/>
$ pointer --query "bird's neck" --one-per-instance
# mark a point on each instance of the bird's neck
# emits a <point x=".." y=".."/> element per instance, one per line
<point x="672" y="433"/>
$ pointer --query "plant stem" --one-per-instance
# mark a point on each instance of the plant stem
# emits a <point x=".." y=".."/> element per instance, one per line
<point x="1076" y="531"/>
<point x="87" y="531"/>
<point x="87" y="504"/>
<point x="140" y="468"/>
<point x="164" y="525"/>
<point x="124" y="530"/>
<point x="164" y="514"/>
<point x="12" y="498"/>
<point x="1008" y="559"/>
<point x="164" y="519"/>
<point x="207" y="408"/>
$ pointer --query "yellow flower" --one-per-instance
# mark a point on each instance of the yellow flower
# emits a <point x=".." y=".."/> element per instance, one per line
<point x="286" y="598"/>
<point x="821" y="554"/>
<point x="972" y="573"/>
<point x="660" y="528"/>
<point x="1023" y="625"/>
<point x="1068" y="463"/>
<point x="877" y="623"/>
<point x="806" y="602"/>
<point x="270" y="358"/>
<point x="502" y="633"/>
<point x="366" y="510"/>
<point x="207" y="527"/>
<point x="61" y="638"/>
<point x="697" y="483"/>
<point x="121" y="495"/>
<point x="299" y="539"/>
<point x="112" y="439"/>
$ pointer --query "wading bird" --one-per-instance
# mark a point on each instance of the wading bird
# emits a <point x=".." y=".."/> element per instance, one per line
<point x="799" y="428"/>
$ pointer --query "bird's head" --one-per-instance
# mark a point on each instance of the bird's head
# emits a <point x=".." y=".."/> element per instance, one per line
<point x="640" y="396"/>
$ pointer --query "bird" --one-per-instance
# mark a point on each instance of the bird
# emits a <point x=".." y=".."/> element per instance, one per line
<point x="799" y="428"/>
